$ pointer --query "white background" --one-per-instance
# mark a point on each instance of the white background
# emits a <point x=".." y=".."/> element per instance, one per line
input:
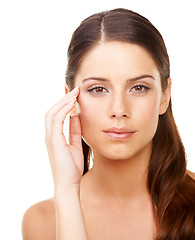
<point x="33" y="43"/>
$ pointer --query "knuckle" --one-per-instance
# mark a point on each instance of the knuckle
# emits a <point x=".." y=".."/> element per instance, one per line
<point x="57" y="118"/>
<point x="52" y="118"/>
<point x="50" y="143"/>
<point x="47" y="114"/>
<point x="46" y="139"/>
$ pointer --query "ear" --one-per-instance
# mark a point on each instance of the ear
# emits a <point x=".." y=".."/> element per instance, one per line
<point x="66" y="87"/>
<point x="165" y="99"/>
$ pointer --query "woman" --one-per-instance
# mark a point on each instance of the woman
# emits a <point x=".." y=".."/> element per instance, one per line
<point x="138" y="188"/>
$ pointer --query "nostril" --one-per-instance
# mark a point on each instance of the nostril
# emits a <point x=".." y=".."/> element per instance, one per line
<point x="119" y="115"/>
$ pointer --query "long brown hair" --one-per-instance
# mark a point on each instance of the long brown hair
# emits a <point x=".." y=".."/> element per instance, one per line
<point x="171" y="188"/>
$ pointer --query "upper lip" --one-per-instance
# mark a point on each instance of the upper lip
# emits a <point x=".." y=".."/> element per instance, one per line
<point x="119" y="130"/>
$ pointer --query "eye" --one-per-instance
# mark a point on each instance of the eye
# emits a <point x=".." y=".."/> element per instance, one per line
<point x="140" y="88"/>
<point x="97" y="89"/>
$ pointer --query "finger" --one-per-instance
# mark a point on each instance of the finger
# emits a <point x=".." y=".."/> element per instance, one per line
<point x="57" y="107"/>
<point x="53" y="112"/>
<point x="73" y="94"/>
<point x="58" y="119"/>
<point x="54" y="118"/>
<point x="76" y="110"/>
<point x="75" y="131"/>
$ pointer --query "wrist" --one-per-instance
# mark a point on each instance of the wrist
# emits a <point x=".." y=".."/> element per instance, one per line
<point x="66" y="191"/>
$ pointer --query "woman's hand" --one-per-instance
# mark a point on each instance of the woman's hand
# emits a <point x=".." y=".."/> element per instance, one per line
<point x="66" y="159"/>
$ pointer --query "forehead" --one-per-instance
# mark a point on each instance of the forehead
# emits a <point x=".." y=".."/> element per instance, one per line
<point x="117" y="60"/>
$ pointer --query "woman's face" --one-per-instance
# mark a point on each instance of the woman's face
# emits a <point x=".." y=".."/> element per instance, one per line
<point x="120" y="99"/>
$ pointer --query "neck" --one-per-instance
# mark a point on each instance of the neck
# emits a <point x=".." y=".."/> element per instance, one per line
<point x="121" y="179"/>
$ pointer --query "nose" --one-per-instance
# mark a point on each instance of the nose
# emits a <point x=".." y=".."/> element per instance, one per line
<point x="119" y="108"/>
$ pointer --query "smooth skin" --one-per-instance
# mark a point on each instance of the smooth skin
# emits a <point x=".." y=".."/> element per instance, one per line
<point x="118" y="84"/>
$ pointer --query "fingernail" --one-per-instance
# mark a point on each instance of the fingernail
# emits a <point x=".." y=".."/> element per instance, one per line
<point x="71" y="102"/>
<point x="75" y="89"/>
<point x="74" y="114"/>
<point x="78" y="110"/>
<point x="73" y="98"/>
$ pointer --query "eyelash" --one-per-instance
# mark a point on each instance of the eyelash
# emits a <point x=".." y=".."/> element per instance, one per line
<point x="93" y="88"/>
<point x="146" y="88"/>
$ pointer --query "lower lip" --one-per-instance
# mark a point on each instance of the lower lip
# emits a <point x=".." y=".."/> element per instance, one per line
<point x="119" y="136"/>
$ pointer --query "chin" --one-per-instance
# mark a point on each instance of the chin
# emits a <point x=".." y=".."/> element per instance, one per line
<point x="125" y="152"/>
<point x="119" y="157"/>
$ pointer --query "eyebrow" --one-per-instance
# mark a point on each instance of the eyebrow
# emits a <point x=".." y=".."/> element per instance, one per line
<point x="128" y="80"/>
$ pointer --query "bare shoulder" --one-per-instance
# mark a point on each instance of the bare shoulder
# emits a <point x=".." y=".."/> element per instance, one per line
<point x="39" y="221"/>
<point x="191" y="174"/>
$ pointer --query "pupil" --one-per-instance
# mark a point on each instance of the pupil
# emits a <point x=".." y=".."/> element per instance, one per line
<point x="99" y="89"/>
<point x="139" y="88"/>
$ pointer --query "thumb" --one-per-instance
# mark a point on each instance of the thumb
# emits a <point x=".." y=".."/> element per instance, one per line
<point x="75" y="131"/>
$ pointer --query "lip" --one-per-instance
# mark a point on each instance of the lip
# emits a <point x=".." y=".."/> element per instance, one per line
<point x="119" y="134"/>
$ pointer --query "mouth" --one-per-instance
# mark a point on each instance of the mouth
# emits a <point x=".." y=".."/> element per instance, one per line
<point x="119" y="134"/>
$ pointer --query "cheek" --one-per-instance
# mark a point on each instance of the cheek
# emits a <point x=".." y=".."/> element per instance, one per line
<point x="90" y="112"/>
<point x="149" y="113"/>
<point x="91" y="115"/>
